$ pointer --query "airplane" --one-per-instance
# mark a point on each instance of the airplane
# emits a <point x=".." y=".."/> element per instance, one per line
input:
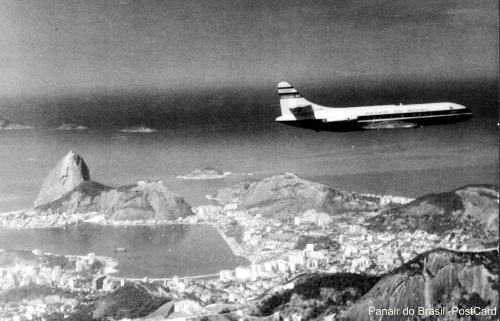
<point x="300" y="112"/>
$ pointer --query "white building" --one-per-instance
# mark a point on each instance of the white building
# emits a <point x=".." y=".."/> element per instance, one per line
<point x="226" y="275"/>
<point x="350" y="250"/>
<point x="56" y="274"/>
<point x="108" y="285"/>
<point x="312" y="264"/>
<point x="208" y="210"/>
<point x="283" y="266"/>
<point x="270" y="266"/>
<point x="318" y="255"/>
<point x="243" y="273"/>
<point x="297" y="257"/>
<point x="361" y="264"/>
<point x="257" y="270"/>
<point x="91" y="258"/>
<point x="230" y="207"/>
<point x="313" y="217"/>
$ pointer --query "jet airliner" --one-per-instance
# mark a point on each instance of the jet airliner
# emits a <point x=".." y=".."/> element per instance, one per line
<point x="300" y="112"/>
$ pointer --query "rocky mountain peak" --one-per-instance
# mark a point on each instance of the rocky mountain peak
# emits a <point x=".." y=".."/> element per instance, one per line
<point x="69" y="172"/>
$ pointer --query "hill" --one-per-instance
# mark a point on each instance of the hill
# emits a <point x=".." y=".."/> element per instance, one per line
<point x="471" y="208"/>
<point x="132" y="300"/>
<point x="312" y="295"/>
<point x="435" y="279"/>
<point x="286" y="195"/>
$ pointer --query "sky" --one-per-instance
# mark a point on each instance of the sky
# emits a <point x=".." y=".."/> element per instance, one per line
<point x="71" y="46"/>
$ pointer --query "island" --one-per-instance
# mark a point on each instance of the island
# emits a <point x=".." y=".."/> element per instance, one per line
<point x="138" y="129"/>
<point x="70" y="126"/>
<point x="6" y="124"/>
<point x="205" y="173"/>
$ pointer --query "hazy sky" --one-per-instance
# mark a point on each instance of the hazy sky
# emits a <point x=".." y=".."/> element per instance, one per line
<point x="54" y="47"/>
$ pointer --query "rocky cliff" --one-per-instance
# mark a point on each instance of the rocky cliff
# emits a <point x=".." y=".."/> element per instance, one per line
<point x="473" y="208"/>
<point x="142" y="201"/>
<point x="69" y="172"/>
<point x="288" y="195"/>
<point x="436" y="279"/>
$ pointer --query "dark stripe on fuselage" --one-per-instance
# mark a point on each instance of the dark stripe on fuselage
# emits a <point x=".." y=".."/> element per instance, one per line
<point x="319" y="125"/>
<point x="290" y="95"/>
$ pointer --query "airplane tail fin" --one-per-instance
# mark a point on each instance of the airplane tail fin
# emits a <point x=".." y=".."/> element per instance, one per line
<point x="287" y="91"/>
<point x="292" y="104"/>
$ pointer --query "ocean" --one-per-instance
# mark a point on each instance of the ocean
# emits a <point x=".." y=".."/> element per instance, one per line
<point x="151" y="251"/>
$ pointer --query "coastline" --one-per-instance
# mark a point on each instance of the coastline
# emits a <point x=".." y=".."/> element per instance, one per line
<point x="235" y="247"/>
<point x="22" y="219"/>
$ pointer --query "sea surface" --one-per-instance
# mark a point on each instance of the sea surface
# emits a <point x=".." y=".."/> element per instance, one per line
<point x="152" y="251"/>
<point x="407" y="162"/>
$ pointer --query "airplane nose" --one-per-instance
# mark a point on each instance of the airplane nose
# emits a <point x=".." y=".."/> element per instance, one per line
<point x="462" y="107"/>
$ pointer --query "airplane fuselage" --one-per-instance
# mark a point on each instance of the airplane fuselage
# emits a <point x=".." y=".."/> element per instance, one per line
<point x="297" y="111"/>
